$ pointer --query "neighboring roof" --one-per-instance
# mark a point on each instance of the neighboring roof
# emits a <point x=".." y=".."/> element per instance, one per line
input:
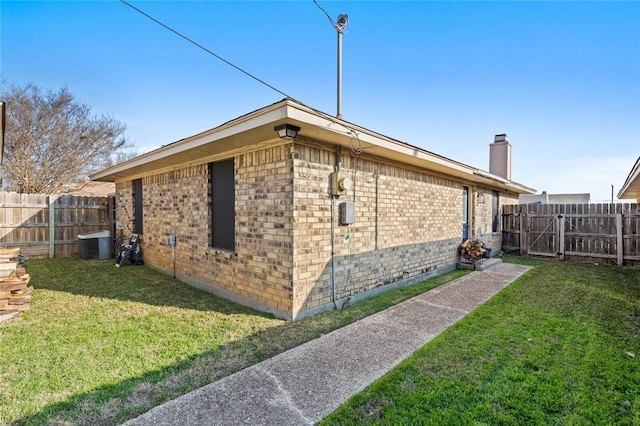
<point x="544" y="198"/>
<point x="91" y="188"/>
<point x="244" y="131"/>
<point x="631" y="187"/>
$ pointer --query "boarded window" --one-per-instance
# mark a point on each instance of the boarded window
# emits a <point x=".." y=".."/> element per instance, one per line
<point x="223" y="209"/>
<point x="495" y="212"/>
<point x="137" y="206"/>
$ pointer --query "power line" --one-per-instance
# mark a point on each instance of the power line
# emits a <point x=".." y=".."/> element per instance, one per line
<point x="348" y="132"/>
<point x="195" y="43"/>
<point x="342" y="19"/>
<point x="333" y="24"/>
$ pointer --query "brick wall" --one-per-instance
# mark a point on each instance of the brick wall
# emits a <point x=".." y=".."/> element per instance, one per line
<point x="176" y="202"/>
<point x="259" y="271"/>
<point x="264" y="242"/>
<point x="483" y="216"/>
<point x="124" y="206"/>
<point x="407" y="223"/>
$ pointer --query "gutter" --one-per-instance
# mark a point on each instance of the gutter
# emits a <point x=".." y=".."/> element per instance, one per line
<point x="509" y="184"/>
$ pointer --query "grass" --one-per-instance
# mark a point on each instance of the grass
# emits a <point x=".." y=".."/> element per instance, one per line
<point x="101" y="345"/>
<point x="561" y="345"/>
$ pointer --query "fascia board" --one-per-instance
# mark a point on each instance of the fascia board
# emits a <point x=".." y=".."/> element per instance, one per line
<point x="428" y="160"/>
<point x="234" y="127"/>
<point x="309" y="118"/>
<point x="366" y="136"/>
<point x="633" y="180"/>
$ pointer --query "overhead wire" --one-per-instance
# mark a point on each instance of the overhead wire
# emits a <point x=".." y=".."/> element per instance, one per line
<point x="351" y="132"/>
<point x="356" y="148"/>
<point x="333" y="24"/>
<point x="200" y="46"/>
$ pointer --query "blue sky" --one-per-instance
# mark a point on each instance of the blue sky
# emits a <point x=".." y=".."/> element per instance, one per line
<point x="561" y="79"/>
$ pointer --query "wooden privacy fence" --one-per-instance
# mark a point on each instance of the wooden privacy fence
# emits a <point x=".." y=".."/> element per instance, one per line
<point x="583" y="232"/>
<point x="48" y="225"/>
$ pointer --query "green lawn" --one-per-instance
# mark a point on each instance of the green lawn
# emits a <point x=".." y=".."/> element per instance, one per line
<point x="561" y="345"/>
<point x="101" y="344"/>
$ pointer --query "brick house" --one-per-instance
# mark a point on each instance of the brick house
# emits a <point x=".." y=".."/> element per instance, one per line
<point x="631" y="187"/>
<point x="297" y="225"/>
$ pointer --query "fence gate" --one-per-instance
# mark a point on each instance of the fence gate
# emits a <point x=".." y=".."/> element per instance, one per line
<point x="543" y="238"/>
<point x="583" y="232"/>
<point x="595" y="236"/>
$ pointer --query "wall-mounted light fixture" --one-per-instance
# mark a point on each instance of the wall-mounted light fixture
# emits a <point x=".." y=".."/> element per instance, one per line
<point x="480" y="196"/>
<point x="287" y="131"/>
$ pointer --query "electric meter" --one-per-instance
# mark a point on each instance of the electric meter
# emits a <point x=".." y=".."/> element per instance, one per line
<point x="345" y="184"/>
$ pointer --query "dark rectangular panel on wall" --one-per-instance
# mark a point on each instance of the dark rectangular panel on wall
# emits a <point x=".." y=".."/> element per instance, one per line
<point x="223" y="212"/>
<point x="495" y="211"/>
<point x="137" y="206"/>
<point x="465" y="213"/>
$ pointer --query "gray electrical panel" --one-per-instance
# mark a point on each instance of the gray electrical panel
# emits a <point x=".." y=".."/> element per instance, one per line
<point x="347" y="211"/>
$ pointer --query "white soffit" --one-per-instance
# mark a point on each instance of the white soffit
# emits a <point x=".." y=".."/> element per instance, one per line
<point x="374" y="143"/>
<point x="256" y="129"/>
<point x="631" y="187"/>
<point x="228" y="136"/>
<point x="325" y="127"/>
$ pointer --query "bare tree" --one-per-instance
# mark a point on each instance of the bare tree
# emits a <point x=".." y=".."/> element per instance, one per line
<point x="122" y="156"/>
<point x="52" y="140"/>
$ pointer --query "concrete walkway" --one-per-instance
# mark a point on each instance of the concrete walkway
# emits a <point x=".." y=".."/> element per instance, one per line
<point x="305" y="384"/>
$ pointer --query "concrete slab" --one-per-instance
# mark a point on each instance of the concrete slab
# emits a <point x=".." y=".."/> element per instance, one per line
<point x="488" y="264"/>
<point x="346" y="361"/>
<point x="304" y="385"/>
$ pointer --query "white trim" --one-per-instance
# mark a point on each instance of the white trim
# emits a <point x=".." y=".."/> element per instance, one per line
<point x="632" y="179"/>
<point x="229" y="129"/>
<point x="311" y="121"/>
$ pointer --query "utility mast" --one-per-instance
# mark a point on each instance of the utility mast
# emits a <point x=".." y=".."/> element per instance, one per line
<point x="340" y="25"/>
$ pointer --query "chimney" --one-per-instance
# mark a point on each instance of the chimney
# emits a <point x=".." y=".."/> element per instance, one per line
<point x="500" y="157"/>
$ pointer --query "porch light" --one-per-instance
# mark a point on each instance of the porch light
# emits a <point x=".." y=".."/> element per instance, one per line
<point x="287" y="131"/>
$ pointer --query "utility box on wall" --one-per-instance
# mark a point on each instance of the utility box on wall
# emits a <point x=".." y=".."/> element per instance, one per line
<point x="339" y="184"/>
<point x="347" y="212"/>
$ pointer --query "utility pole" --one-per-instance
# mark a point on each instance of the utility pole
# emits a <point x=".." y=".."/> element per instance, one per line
<point x="343" y="21"/>
<point x="611" y="193"/>
<point x="341" y="25"/>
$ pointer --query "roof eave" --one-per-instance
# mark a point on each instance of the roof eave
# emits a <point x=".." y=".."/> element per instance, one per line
<point x="631" y="187"/>
<point x="229" y="129"/>
<point x="384" y="146"/>
<point x="258" y="125"/>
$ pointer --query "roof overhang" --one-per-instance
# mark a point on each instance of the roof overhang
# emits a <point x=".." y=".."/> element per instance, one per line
<point x="256" y="129"/>
<point x="631" y="187"/>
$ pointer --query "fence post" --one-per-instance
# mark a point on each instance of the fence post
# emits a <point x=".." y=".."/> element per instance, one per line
<point x="52" y="225"/>
<point x="619" y="239"/>
<point x="560" y="227"/>
<point x="524" y="226"/>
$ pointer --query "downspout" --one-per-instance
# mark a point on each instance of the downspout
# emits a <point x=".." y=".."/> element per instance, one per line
<point x="333" y="229"/>
<point x="333" y="253"/>
<point x="173" y="259"/>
